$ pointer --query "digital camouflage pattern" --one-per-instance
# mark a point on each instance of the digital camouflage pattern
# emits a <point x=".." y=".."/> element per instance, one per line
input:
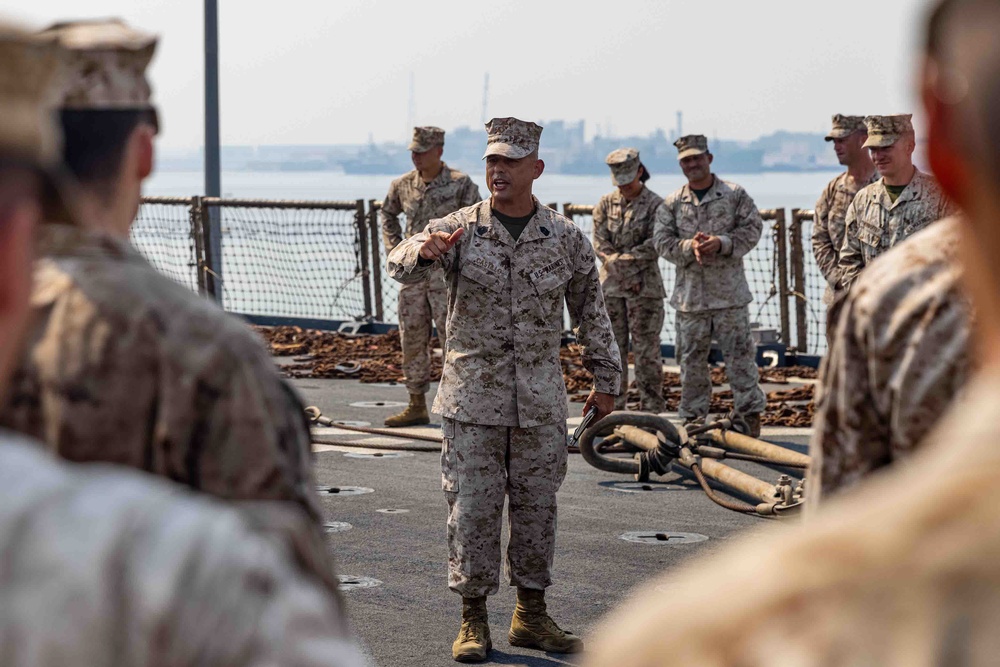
<point x="422" y="304"/>
<point x="845" y="126"/>
<point x="875" y="223"/>
<point x="623" y="241"/>
<point x="153" y="575"/>
<point x="505" y="313"/>
<point x="829" y="225"/>
<point x="106" y="63"/>
<point x="480" y="465"/>
<point x="125" y="366"/>
<point x="691" y="144"/>
<point x="726" y="211"/>
<point x="426" y="138"/>
<point x="28" y="70"/>
<point x="731" y="328"/>
<point x="511" y="138"/>
<point x="642" y="320"/>
<point x="887" y="130"/>
<point x="901" y="572"/>
<point x="624" y="164"/>
<point x="899" y="355"/>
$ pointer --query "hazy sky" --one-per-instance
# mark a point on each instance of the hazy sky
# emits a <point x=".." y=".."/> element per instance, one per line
<point x="333" y="71"/>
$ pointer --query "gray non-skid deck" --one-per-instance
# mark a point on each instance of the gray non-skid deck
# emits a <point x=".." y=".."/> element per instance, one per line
<point x="412" y="617"/>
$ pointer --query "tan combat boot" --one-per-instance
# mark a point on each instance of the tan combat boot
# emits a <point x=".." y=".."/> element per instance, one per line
<point x="753" y="424"/>
<point x="473" y="643"/>
<point x="532" y="627"/>
<point x="415" y="413"/>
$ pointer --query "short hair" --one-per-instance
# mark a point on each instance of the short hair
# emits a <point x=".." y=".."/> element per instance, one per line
<point x="644" y="176"/>
<point x="94" y="140"/>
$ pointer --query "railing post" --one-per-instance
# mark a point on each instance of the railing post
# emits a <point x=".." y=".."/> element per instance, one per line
<point x="361" y="232"/>
<point x="374" y="230"/>
<point x="197" y="235"/>
<point x="211" y="230"/>
<point x="799" y="282"/>
<point x="781" y="246"/>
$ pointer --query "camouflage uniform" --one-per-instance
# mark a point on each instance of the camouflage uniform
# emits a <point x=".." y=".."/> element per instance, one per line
<point x="711" y="299"/>
<point x="630" y="279"/>
<point x="900" y="572"/>
<point x="900" y="354"/>
<point x="502" y="393"/>
<point x="124" y="365"/>
<point x="105" y="567"/>
<point x="874" y="222"/>
<point x="422" y="305"/>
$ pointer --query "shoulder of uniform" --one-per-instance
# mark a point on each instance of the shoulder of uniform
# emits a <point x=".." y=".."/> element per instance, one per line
<point x="400" y="180"/>
<point x="457" y="175"/>
<point x="735" y="188"/>
<point x="466" y="216"/>
<point x="674" y="196"/>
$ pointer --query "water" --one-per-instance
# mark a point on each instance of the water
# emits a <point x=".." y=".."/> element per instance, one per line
<point x="769" y="190"/>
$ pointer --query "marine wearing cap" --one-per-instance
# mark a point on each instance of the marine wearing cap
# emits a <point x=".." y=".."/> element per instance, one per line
<point x="511" y="138"/>
<point x="845" y="126"/>
<point x="691" y="144"/>
<point x="426" y="138"/>
<point x="624" y="164"/>
<point x="887" y="130"/>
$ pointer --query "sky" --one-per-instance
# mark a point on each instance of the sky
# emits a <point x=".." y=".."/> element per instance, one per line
<point x="339" y="71"/>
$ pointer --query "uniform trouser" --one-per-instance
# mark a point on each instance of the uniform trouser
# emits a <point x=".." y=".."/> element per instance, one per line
<point x="421" y="306"/>
<point x="480" y="465"/>
<point x="641" y="319"/>
<point x="731" y="327"/>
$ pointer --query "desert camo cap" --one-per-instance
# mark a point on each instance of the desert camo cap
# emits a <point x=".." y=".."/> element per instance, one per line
<point x="511" y="138"/>
<point x="106" y="63"/>
<point x="426" y="138"/>
<point x="887" y="130"/>
<point x="691" y="144"/>
<point x="29" y="71"/>
<point x="845" y="126"/>
<point x="624" y="164"/>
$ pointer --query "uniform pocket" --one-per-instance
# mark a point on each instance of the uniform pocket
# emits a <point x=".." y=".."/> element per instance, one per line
<point x="449" y="460"/>
<point x="483" y="277"/>
<point x="545" y="282"/>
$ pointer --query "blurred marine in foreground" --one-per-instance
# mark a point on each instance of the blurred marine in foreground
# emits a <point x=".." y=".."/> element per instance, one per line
<point x="905" y="569"/>
<point x="105" y="566"/>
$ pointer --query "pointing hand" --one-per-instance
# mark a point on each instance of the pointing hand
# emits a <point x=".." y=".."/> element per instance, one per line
<point x="438" y="243"/>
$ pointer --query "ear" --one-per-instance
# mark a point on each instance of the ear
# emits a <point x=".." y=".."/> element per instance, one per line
<point x="539" y="168"/>
<point x="710" y="157"/>
<point x="943" y="155"/>
<point x="142" y="151"/>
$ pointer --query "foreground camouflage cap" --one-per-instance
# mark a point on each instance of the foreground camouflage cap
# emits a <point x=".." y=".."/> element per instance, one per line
<point x="29" y="67"/>
<point x="624" y="164"/>
<point x="511" y="138"/>
<point x="106" y="64"/>
<point x="692" y="144"/>
<point x="426" y="138"/>
<point x="845" y="126"/>
<point x="886" y="130"/>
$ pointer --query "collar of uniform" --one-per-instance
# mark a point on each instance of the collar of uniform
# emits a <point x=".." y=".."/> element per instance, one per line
<point x="644" y="194"/>
<point x="539" y="227"/>
<point x="443" y="178"/>
<point x="718" y="190"/>
<point x="913" y="191"/>
<point x="61" y="240"/>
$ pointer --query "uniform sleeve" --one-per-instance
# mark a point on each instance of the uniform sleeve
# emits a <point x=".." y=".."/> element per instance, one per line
<point x="667" y="238"/>
<point x="470" y="194"/>
<point x="392" y="231"/>
<point x="823" y="250"/>
<point x="404" y="264"/>
<point x="605" y="250"/>
<point x="585" y="302"/>
<point x="850" y="436"/>
<point x="746" y="232"/>
<point x="851" y="260"/>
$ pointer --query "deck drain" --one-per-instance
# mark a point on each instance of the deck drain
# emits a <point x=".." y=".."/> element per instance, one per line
<point x="343" y="490"/>
<point x="392" y="511"/>
<point x="665" y="538"/>
<point x="644" y="487"/>
<point x="379" y="404"/>
<point x="336" y="527"/>
<point x="350" y="583"/>
<point x="378" y="455"/>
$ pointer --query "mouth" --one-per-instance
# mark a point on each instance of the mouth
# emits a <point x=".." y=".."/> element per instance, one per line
<point x="499" y="185"/>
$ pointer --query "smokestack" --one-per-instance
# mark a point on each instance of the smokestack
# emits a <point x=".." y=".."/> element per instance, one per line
<point x="680" y="124"/>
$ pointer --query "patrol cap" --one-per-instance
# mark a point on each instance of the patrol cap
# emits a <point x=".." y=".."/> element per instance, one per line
<point x="106" y="63"/>
<point x="845" y="126"/>
<point x="426" y="138"/>
<point x="887" y="130"/>
<point x="624" y="164"/>
<point x="511" y="138"/>
<point x="691" y="144"/>
<point x="29" y="69"/>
